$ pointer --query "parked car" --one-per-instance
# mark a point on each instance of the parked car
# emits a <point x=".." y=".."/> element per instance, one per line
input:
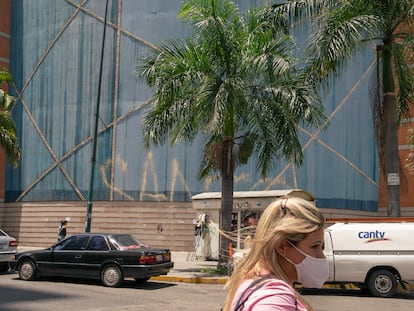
<point x="108" y="257"/>
<point x="8" y="248"/>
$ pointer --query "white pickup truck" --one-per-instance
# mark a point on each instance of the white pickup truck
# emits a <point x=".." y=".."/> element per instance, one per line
<point x="376" y="254"/>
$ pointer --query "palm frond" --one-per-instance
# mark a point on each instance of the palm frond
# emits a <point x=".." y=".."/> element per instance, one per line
<point x="404" y="78"/>
<point x="8" y="138"/>
<point x="341" y="31"/>
<point x="6" y="101"/>
<point x="5" y="76"/>
<point x="297" y="10"/>
<point x="196" y="12"/>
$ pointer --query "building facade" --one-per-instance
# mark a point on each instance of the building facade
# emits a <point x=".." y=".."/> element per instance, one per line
<point x="54" y="48"/>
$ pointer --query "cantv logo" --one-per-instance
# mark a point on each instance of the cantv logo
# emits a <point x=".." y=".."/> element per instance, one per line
<point x="372" y="236"/>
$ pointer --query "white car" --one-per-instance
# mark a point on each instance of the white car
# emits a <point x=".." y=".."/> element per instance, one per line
<point x="8" y="248"/>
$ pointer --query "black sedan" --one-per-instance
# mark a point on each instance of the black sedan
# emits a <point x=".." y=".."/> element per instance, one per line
<point x="108" y="257"/>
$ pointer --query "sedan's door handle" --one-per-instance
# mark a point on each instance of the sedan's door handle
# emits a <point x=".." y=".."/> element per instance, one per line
<point x="78" y="257"/>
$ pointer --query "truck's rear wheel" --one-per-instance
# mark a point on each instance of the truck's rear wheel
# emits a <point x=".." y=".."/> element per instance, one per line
<point x="382" y="283"/>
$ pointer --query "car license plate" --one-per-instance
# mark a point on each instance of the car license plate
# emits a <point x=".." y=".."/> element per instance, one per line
<point x="159" y="257"/>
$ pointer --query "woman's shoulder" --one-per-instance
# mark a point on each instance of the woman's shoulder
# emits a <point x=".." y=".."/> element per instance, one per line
<point x="275" y="294"/>
<point x="269" y="282"/>
<point x="278" y="285"/>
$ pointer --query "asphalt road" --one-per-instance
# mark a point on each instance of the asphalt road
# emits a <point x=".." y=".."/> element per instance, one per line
<point x="355" y="300"/>
<point x="62" y="294"/>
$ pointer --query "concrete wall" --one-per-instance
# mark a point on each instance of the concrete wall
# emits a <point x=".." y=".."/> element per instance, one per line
<point x="159" y="224"/>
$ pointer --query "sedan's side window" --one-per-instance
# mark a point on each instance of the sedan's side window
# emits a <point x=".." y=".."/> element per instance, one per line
<point x="76" y="243"/>
<point x="98" y="243"/>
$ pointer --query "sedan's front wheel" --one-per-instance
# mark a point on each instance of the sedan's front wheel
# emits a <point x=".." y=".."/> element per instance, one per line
<point x="27" y="270"/>
<point x="111" y="276"/>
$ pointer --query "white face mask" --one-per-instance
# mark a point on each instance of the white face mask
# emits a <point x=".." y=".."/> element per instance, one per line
<point x="312" y="272"/>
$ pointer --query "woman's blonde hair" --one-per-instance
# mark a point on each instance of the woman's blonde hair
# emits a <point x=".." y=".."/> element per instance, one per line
<point x="289" y="218"/>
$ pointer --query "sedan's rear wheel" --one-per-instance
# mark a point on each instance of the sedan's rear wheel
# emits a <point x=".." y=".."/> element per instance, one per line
<point x="27" y="270"/>
<point x="111" y="276"/>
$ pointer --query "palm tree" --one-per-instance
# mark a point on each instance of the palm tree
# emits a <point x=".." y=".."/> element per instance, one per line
<point x="343" y="27"/>
<point x="235" y="83"/>
<point x="8" y="136"/>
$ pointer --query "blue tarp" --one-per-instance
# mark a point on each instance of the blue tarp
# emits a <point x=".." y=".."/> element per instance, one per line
<point x="55" y="58"/>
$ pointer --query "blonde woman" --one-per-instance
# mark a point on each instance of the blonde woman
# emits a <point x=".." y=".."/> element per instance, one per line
<point x="287" y="248"/>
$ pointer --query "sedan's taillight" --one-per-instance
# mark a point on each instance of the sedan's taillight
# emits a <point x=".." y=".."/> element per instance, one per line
<point x="146" y="259"/>
<point x="150" y="259"/>
<point x="13" y="243"/>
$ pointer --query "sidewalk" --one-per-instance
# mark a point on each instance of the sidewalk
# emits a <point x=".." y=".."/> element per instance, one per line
<point x="188" y="269"/>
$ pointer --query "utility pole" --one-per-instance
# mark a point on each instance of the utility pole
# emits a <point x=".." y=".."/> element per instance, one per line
<point x="95" y="135"/>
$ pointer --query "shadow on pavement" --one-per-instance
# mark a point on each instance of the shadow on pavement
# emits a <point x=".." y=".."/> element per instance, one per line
<point x="128" y="283"/>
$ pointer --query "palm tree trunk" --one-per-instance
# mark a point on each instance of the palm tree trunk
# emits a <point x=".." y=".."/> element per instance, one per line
<point x="391" y="155"/>
<point x="227" y="186"/>
<point x="390" y="135"/>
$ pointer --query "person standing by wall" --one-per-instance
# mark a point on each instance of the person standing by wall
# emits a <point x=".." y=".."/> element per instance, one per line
<point x="249" y="228"/>
<point x="62" y="230"/>
<point x="250" y="219"/>
<point x="286" y="249"/>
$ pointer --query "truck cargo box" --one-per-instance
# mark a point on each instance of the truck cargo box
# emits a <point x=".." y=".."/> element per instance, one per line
<point x="367" y="237"/>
